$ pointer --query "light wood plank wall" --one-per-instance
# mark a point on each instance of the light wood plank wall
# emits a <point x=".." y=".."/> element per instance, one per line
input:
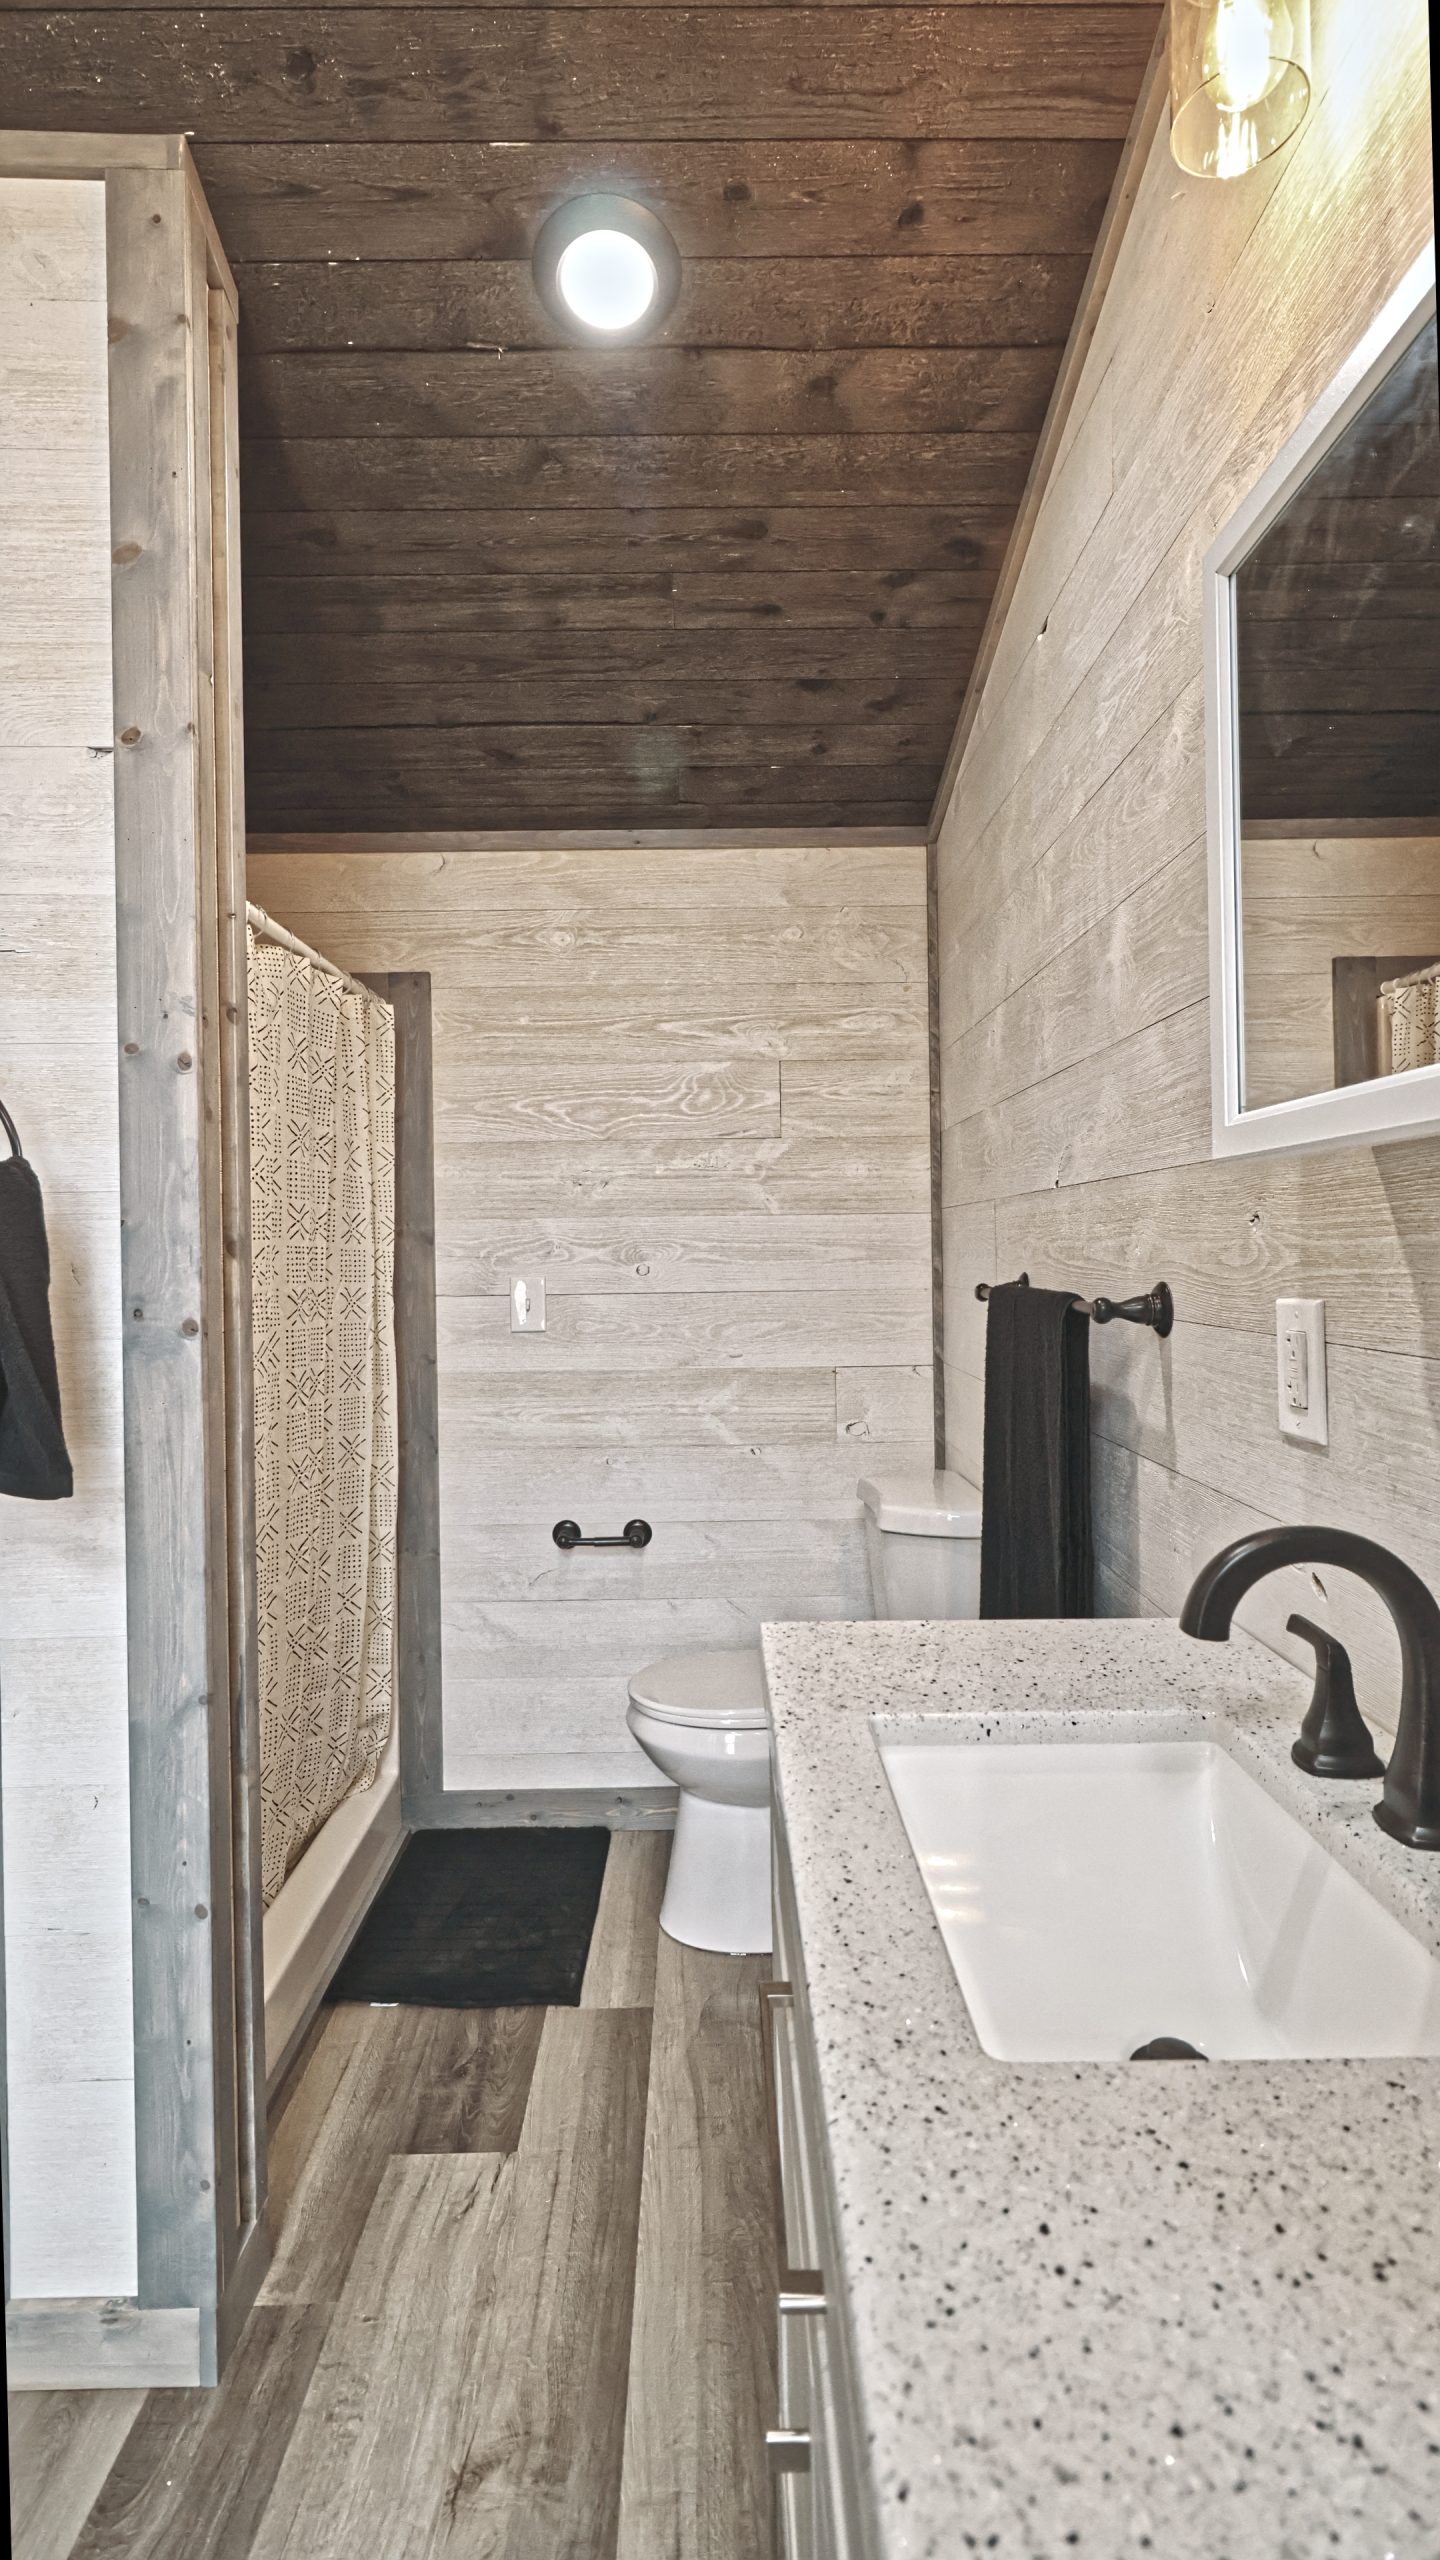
<point x="687" y="1087"/>
<point x="1073" y="954"/>
<point x="63" y="1681"/>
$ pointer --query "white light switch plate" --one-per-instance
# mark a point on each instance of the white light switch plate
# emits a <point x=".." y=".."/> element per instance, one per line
<point x="1300" y="1371"/>
<point x="527" y="1305"/>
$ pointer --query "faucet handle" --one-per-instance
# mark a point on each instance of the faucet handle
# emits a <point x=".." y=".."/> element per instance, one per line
<point x="1334" y="1738"/>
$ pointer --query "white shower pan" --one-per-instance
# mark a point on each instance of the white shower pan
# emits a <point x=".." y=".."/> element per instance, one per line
<point x="1097" y="1896"/>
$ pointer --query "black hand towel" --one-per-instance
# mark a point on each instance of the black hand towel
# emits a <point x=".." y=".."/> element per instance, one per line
<point x="34" y="1461"/>
<point x="1035" y="1559"/>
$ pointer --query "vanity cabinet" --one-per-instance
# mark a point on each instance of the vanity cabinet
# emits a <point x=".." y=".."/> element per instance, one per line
<point x="816" y="2440"/>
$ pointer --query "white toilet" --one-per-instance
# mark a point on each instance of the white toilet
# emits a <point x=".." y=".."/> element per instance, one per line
<point x="922" y="1534"/>
<point x="702" y="1717"/>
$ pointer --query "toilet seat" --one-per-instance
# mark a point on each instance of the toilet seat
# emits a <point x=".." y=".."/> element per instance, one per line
<point x="723" y="1689"/>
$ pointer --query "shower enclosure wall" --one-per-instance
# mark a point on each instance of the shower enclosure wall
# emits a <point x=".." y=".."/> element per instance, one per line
<point x="120" y="332"/>
<point x="136" y="2100"/>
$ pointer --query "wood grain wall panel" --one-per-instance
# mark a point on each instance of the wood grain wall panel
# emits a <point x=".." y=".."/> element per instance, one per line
<point x="887" y="1406"/>
<point x="51" y="802"/>
<point x="885" y="216"/>
<point x="583" y="1256"/>
<point x="337" y="539"/>
<point x="1072" y="884"/>
<point x="450" y="886"/>
<point x="619" y="789"/>
<point x="653" y="390"/>
<point x="664" y="953"/>
<point x="781" y="659"/>
<point x="535" y="74"/>
<point x="301" y="305"/>
<point x="894" y="600"/>
<point x="754" y="1330"/>
<point x="63" y="1680"/>
<point x="1141" y="964"/>
<point x="1105" y="853"/>
<point x="888" y="728"/>
<point x="707" y="1483"/>
<point x="733" y="1230"/>
<point x="721" y="469"/>
<point x="612" y="1105"/>
<point x="1158" y="525"/>
<point x="897" y="600"/>
<point x="775" y="1177"/>
<point x="741" y="198"/>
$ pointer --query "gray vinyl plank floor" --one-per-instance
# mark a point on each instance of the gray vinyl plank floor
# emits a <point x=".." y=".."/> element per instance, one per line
<point x="702" y="2343"/>
<point x="521" y="2305"/>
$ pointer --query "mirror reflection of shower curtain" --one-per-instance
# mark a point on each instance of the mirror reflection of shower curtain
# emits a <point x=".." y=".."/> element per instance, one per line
<point x="1410" y="1021"/>
<point x="322" y="1142"/>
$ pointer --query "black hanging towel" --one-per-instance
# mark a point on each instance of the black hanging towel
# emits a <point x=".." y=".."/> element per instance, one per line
<point x="34" y="1461"/>
<point x="1035" y="1556"/>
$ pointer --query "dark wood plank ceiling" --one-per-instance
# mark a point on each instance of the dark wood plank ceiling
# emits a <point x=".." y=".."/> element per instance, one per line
<point x="739" y="574"/>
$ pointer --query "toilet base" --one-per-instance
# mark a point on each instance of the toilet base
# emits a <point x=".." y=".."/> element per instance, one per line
<point x="717" y="1894"/>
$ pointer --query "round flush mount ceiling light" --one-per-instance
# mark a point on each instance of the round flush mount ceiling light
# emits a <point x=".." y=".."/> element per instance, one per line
<point x="606" y="269"/>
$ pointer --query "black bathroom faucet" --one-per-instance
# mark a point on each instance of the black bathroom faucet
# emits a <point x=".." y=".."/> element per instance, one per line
<point x="1409" y="1807"/>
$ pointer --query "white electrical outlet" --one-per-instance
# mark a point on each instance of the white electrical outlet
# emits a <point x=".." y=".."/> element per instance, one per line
<point x="527" y="1306"/>
<point x="1300" y="1371"/>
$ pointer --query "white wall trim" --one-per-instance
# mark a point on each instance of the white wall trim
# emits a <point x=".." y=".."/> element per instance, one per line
<point x="89" y="2343"/>
<point x="1406" y="1106"/>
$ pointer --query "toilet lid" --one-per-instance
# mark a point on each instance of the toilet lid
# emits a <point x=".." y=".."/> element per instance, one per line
<point x="720" y="1688"/>
<point x="940" y="1505"/>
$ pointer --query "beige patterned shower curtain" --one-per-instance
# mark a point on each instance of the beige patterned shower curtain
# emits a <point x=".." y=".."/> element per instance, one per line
<point x="1410" y="1021"/>
<point x="322" y="1152"/>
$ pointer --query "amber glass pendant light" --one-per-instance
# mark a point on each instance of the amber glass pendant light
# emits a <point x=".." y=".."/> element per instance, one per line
<point x="1239" y="81"/>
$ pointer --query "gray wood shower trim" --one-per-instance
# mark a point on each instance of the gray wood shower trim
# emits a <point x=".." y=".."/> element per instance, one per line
<point x="213" y="843"/>
<point x="85" y="155"/>
<point x="417" y="1566"/>
<point x="498" y="1808"/>
<point x="194" y="2226"/>
<point x="171" y="1348"/>
<point x="79" y="2342"/>
<point x="234" y="1060"/>
<point x="590" y="840"/>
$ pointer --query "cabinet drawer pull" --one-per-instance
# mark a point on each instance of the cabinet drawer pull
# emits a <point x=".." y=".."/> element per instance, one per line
<point x="769" y="1993"/>
<point x="787" y="2449"/>
<point x="802" y="2289"/>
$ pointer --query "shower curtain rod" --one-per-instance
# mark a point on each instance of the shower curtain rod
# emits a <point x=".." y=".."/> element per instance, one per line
<point x="273" y="932"/>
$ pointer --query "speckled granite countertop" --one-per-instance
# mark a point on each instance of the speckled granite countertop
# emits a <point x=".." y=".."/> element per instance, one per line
<point x="1105" y="2309"/>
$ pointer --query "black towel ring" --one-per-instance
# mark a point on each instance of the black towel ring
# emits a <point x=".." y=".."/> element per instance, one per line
<point x="11" y="1132"/>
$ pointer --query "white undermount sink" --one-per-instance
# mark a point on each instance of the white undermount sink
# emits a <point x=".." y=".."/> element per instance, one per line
<point x="1094" y="1896"/>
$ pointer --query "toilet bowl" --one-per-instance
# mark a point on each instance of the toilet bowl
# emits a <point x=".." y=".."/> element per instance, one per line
<point x="922" y="1536"/>
<point x="702" y="1719"/>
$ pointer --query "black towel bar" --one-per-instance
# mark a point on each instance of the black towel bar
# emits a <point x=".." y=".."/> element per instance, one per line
<point x="1155" y="1308"/>
<point x="636" y="1533"/>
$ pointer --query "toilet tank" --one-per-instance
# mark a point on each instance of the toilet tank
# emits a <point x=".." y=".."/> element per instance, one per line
<point x="922" y="1533"/>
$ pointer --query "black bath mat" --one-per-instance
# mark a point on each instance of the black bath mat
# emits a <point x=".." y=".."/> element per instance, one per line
<point x="480" y="1920"/>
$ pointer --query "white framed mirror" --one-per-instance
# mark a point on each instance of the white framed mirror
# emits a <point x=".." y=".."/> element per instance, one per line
<point x="1322" y="714"/>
